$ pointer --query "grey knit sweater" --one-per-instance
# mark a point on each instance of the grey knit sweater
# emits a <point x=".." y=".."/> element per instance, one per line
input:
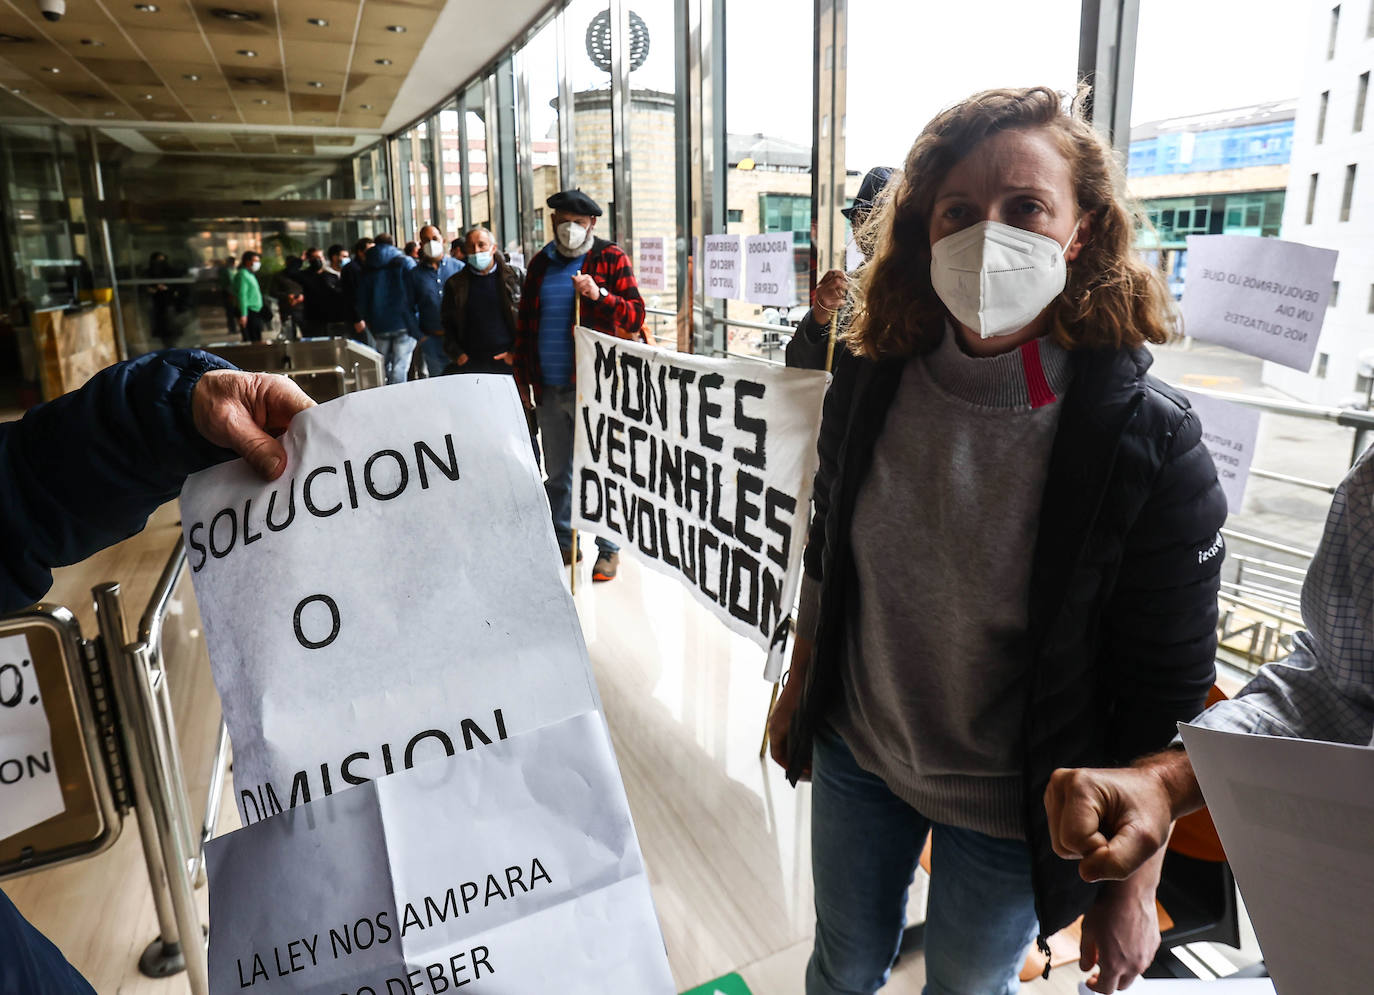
<point x="943" y="535"/>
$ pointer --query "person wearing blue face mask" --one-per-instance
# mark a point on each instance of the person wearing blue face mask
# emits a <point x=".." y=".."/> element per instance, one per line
<point x="479" y="308"/>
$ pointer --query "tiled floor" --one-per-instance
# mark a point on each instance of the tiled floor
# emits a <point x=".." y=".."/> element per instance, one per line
<point x="724" y="837"/>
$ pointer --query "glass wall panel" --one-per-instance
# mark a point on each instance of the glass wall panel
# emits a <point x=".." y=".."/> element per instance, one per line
<point x="450" y="158"/>
<point x="478" y="187"/>
<point x="537" y="66"/>
<point x="588" y="25"/>
<point x="768" y="155"/>
<point x="654" y="110"/>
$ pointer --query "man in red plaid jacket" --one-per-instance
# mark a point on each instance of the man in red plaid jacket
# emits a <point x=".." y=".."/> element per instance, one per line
<point x="575" y="265"/>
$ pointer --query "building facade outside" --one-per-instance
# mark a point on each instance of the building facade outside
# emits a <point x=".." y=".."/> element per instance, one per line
<point x="1217" y="173"/>
<point x="1330" y="199"/>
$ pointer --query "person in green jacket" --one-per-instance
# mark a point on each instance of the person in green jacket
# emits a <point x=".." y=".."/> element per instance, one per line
<point x="247" y="297"/>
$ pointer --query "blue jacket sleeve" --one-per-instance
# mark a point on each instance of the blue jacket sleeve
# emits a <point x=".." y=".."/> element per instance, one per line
<point x="86" y="470"/>
<point x="29" y="962"/>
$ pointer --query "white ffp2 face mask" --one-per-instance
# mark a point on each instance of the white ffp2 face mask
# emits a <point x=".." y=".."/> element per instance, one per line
<point x="996" y="278"/>
<point x="434" y="249"/>
<point x="571" y="235"/>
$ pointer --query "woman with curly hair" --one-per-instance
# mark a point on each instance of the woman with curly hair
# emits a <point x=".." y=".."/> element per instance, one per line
<point x="1014" y="559"/>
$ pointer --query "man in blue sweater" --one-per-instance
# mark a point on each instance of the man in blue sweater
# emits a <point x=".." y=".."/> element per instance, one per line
<point x="387" y="305"/>
<point x="85" y="471"/>
<point x="427" y="287"/>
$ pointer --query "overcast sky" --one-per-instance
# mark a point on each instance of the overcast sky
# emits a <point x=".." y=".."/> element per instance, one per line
<point x="910" y="58"/>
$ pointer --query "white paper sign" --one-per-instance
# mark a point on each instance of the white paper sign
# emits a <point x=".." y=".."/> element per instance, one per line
<point x="396" y="596"/>
<point x="703" y="468"/>
<point x="768" y="275"/>
<point x="722" y="267"/>
<point x="30" y="792"/>
<point x="1229" y="432"/>
<point x="651" y="274"/>
<point x="1262" y="296"/>
<point x="1297" y="821"/>
<point x="513" y="869"/>
<point x="853" y="258"/>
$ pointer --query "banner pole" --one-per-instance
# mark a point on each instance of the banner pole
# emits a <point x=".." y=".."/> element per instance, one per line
<point x="830" y="348"/>
<point x="572" y="559"/>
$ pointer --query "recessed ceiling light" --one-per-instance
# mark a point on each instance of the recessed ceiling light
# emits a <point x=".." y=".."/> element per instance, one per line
<point x="146" y="96"/>
<point x="214" y="117"/>
<point x="51" y="69"/>
<point x="319" y="22"/>
<point x="229" y="14"/>
<point x="248" y="53"/>
<point x="146" y="8"/>
<point x="193" y="77"/>
<point x="366" y="107"/>
<point x="5" y="36"/>
<point x="109" y="113"/>
<point x="315" y="83"/>
<point x="251" y="80"/>
<point x="383" y="62"/>
<point x="262" y="100"/>
<point x="93" y="42"/>
<point x="15" y="89"/>
<point x="398" y="29"/>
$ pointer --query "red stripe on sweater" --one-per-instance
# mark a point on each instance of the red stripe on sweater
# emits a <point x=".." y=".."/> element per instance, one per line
<point x="1036" y="385"/>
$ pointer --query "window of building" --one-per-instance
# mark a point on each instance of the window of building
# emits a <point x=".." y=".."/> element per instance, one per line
<point x="1369" y="29"/>
<point x="1335" y="293"/>
<point x="1321" y="115"/>
<point x="786" y="212"/>
<point x="735" y="215"/>
<point x="1361" y="95"/>
<point x="1335" y="25"/>
<point x="1311" y="196"/>
<point x="1371" y="298"/>
<point x="1322" y="360"/>
<point x="1349" y="192"/>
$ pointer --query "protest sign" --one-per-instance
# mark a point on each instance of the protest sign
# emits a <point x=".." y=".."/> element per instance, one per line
<point x="1229" y="432"/>
<point x="703" y="467"/>
<point x="30" y="792"/>
<point x="394" y="597"/>
<point x="768" y="276"/>
<point x="722" y="266"/>
<point x="513" y="868"/>
<point x="1296" y="821"/>
<point x="652" y="275"/>
<point x="1262" y="296"/>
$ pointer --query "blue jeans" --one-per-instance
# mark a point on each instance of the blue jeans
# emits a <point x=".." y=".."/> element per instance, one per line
<point x="395" y="348"/>
<point x="555" y="411"/>
<point x="436" y="360"/>
<point x="865" y="846"/>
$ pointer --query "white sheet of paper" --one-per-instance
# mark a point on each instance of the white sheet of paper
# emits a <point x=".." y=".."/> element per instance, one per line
<point x="1229" y="431"/>
<point x="1184" y="986"/>
<point x="853" y="258"/>
<point x="651" y="273"/>
<point x="30" y="792"/>
<point x="1297" y="821"/>
<point x="768" y="275"/>
<point x="702" y="468"/>
<point x="722" y="266"/>
<point x="1262" y="296"/>
<point x="514" y="868"/>
<point x="401" y="615"/>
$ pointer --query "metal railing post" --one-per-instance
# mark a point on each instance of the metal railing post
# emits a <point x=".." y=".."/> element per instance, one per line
<point x="159" y="816"/>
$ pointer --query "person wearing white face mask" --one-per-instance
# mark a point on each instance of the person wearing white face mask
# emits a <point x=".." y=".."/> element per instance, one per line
<point x="1003" y="575"/>
<point x="576" y="273"/>
<point x="247" y="296"/>
<point x="427" y="281"/>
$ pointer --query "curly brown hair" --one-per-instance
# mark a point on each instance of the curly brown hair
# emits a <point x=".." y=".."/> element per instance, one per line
<point x="1112" y="298"/>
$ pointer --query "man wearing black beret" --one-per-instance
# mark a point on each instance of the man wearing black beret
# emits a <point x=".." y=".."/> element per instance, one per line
<point x="574" y="265"/>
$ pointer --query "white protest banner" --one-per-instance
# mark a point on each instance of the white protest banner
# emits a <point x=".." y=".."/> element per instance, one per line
<point x="1296" y="819"/>
<point x="722" y="269"/>
<point x="513" y="868"/>
<point x="853" y="258"/>
<point x="651" y="274"/>
<point x="704" y="467"/>
<point x="1262" y="296"/>
<point x="768" y="276"/>
<point x="1229" y="432"/>
<point x="394" y="597"/>
<point x="30" y="792"/>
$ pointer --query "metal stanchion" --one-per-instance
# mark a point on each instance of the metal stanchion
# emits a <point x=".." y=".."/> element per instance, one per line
<point x="213" y="796"/>
<point x="154" y="786"/>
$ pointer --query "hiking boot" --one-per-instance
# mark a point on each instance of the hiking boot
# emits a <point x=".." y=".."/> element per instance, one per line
<point x="605" y="567"/>
<point x="567" y="557"/>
